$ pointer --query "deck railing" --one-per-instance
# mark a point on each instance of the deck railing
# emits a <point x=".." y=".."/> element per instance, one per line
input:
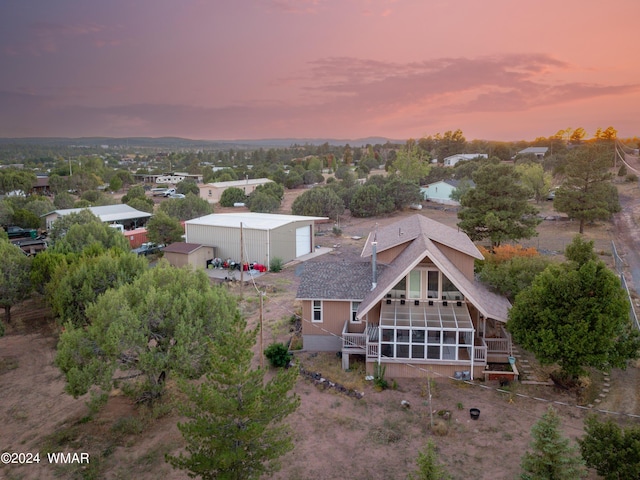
<point x="367" y="343"/>
<point x="480" y="355"/>
<point x="497" y="345"/>
<point x="353" y="341"/>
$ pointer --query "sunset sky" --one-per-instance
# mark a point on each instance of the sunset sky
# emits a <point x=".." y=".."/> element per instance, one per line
<point x="345" y="69"/>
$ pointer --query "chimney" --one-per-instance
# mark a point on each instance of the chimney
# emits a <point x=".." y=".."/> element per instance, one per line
<point x="374" y="260"/>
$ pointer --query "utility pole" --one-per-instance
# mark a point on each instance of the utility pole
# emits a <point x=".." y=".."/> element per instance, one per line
<point x="261" y="329"/>
<point x="241" y="262"/>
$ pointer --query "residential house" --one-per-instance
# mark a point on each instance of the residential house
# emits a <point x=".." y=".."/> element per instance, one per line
<point x="440" y="192"/>
<point x="451" y="160"/>
<point x="539" y="152"/>
<point x="212" y="192"/>
<point x="414" y="306"/>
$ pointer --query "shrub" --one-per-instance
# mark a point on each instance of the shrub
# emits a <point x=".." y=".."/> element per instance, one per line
<point x="378" y="376"/>
<point x="631" y="177"/>
<point x="622" y="171"/>
<point x="276" y="264"/>
<point x="278" y="354"/>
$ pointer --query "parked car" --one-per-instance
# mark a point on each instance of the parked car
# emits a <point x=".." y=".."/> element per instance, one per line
<point x="169" y="191"/>
<point x="176" y="195"/>
<point x="147" y="249"/>
<point x="158" y="192"/>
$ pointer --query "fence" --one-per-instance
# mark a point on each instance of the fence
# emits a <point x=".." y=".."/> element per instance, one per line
<point x="620" y="269"/>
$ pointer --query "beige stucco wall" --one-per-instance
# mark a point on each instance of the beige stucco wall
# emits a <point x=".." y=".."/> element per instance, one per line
<point x="212" y="193"/>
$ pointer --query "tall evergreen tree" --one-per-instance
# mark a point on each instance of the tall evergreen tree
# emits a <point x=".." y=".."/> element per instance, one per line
<point x="497" y="207"/>
<point x="235" y="429"/>
<point x="587" y="193"/>
<point x="551" y="457"/>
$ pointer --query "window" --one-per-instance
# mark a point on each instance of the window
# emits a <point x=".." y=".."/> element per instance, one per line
<point x="354" y="312"/>
<point x="432" y="283"/>
<point x="449" y="290"/>
<point x="317" y="311"/>
<point x="415" y="284"/>
<point x="400" y="289"/>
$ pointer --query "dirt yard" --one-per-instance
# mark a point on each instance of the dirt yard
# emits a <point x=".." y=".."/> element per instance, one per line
<point x="335" y="435"/>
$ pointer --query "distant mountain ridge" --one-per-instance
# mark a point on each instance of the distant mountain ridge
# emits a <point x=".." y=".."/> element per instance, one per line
<point x="177" y="142"/>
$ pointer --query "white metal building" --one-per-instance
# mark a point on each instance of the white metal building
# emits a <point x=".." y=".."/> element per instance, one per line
<point x="264" y="235"/>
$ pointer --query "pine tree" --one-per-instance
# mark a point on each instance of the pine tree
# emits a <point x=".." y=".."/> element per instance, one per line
<point x="587" y="193"/>
<point x="235" y="428"/>
<point x="497" y="208"/>
<point x="552" y="458"/>
<point x="428" y="466"/>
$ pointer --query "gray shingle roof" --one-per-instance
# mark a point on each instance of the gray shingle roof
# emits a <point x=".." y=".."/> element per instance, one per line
<point x="409" y="228"/>
<point x="336" y="280"/>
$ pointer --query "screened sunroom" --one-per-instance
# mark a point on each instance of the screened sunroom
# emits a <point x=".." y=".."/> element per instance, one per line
<point x="426" y="331"/>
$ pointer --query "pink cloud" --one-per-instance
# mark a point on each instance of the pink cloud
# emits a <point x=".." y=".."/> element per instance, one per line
<point x="48" y="37"/>
<point x="294" y="6"/>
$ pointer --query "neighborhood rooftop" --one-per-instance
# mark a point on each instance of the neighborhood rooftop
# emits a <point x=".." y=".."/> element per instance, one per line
<point x="256" y="221"/>
<point x="107" y="213"/>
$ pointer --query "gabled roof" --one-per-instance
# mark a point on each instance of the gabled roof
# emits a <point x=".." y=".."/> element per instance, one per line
<point x="451" y="181"/>
<point x="488" y="303"/>
<point x="534" y="150"/>
<point x="336" y="280"/>
<point x="410" y="228"/>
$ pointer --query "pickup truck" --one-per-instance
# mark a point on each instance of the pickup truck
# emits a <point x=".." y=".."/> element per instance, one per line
<point x="18" y="232"/>
<point x="147" y="249"/>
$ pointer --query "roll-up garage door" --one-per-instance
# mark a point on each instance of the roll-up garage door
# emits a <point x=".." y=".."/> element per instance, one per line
<point x="303" y="240"/>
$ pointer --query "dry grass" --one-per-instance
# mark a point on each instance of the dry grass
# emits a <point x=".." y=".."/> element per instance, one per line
<point x="330" y="367"/>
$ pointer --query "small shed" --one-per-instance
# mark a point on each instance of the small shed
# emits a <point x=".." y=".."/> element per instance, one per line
<point x="263" y="236"/>
<point x="136" y="237"/>
<point x="181" y="254"/>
